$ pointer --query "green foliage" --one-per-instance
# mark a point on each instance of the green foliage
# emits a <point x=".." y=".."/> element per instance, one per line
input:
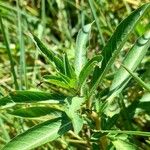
<point x="73" y="108"/>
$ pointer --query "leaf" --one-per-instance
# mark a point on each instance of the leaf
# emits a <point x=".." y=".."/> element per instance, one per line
<point x="40" y="134"/>
<point x="80" y="50"/>
<point x="6" y="101"/>
<point x="69" y="71"/>
<point x="56" y="80"/>
<point x="32" y="112"/>
<point x="87" y="69"/>
<point x="124" y="145"/>
<point x="116" y="42"/>
<point x="50" y="54"/>
<point x="131" y="61"/>
<point x="136" y="78"/>
<point x="72" y="106"/>
<point x="144" y="102"/>
<point x="33" y="96"/>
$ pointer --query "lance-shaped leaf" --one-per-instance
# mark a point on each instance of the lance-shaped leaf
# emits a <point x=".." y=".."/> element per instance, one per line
<point x="80" y="50"/>
<point x="40" y="134"/>
<point x="69" y="71"/>
<point x="131" y="61"/>
<point x="87" y="69"/>
<point x="116" y="42"/>
<point x="33" y="96"/>
<point x="32" y="112"/>
<point x="56" y="80"/>
<point x="49" y="53"/>
<point x="29" y="97"/>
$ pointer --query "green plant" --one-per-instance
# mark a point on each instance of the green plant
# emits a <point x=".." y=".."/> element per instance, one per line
<point x="78" y="101"/>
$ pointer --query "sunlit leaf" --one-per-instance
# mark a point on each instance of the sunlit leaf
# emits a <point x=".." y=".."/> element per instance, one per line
<point x="116" y="42"/>
<point x="81" y="50"/>
<point x="39" y="134"/>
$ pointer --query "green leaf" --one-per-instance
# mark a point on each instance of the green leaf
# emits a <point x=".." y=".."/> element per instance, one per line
<point x="80" y="50"/>
<point x="116" y="42"/>
<point x="144" y="103"/>
<point x="69" y="71"/>
<point x="136" y="78"/>
<point x="131" y="61"/>
<point x="36" y="112"/>
<point x="33" y="96"/>
<point x="87" y="69"/>
<point x="124" y="145"/>
<point x="50" y="54"/>
<point x="40" y="134"/>
<point x="6" y="101"/>
<point x="72" y="106"/>
<point x="56" y="80"/>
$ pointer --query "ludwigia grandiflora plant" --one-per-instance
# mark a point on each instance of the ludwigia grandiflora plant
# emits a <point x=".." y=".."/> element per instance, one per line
<point x="78" y="107"/>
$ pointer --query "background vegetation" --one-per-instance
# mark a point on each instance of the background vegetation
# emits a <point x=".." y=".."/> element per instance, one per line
<point x="56" y="23"/>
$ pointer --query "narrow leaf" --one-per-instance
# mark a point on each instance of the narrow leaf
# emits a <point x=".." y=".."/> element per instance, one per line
<point x="121" y="78"/>
<point x="87" y="69"/>
<point x="80" y="50"/>
<point x="33" y="96"/>
<point x="50" y="54"/>
<point x="58" y="81"/>
<point x="116" y="42"/>
<point x="32" y="112"/>
<point x="68" y="68"/>
<point x="131" y="61"/>
<point x="136" y="78"/>
<point x="39" y="134"/>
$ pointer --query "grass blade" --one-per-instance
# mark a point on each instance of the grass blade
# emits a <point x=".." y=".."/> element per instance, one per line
<point x="91" y="2"/>
<point x="136" y="78"/>
<point x="9" y="55"/>
<point x="23" y="77"/>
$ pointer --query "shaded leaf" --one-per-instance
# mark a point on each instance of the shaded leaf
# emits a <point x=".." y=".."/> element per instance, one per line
<point x="136" y="78"/>
<point x="87" y="69"/>
<point x="36" y="112"/>
<point x="33" y="96"/>
<point x="69" y="71"/>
